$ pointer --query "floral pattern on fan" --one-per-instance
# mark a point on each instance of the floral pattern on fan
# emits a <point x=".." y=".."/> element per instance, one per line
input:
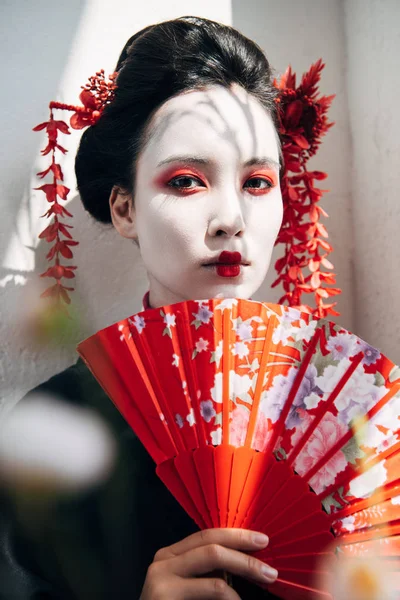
<point x="247" y="406"/>
<point x="226" y="342"/>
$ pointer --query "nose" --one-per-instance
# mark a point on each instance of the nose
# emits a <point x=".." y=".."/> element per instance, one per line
<point x="227" y="218"/>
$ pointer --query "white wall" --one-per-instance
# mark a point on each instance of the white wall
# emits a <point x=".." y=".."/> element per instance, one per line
<point x="299" y="33"/>
<point x="373" y="82"/>
<point x="50" y="48"/>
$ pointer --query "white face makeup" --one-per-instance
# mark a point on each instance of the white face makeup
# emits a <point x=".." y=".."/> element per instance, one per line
<point x="207" y="182"/>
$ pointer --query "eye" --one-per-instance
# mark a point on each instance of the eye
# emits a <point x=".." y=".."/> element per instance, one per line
<point x="260" y="184"/>
<point x="182" y="182"/>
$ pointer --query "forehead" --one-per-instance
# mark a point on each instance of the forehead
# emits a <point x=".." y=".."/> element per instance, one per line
<point x="227" y="124"/>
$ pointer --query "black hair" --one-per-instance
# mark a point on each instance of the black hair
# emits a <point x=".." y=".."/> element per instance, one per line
<point x="157" y="63"/>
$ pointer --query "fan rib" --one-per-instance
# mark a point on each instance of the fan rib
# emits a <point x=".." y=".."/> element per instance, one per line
<point x="293" y="392"/>
<point x="183" y="348"/>
<point x="226" y="367"/>
<point x="343" y="441"/>
<point x="326" y="406"/>
<point x="260" y="380"/>
<point x="143" y="358"/>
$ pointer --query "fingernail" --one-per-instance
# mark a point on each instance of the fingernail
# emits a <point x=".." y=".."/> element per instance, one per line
<point x="269" y="572"/>
<point x="260" y="539"/>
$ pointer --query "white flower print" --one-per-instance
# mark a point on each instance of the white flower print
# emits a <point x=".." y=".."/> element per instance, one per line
<point x="312" y="400"/>
<point x="331" y="375"/>
<point x="388" y="418"/>
<point x="282" y="333"/>
<point x="227" y="303"/>
<point x="240" y="349"/>
<point x="244" y="331"/>
<point x="395" y="500"/>
<point x="348" y="523"/>
<point x="216" y="391"/>
<point x="169" y="320"/>
<point x="201" y="345"/>
<point x="305" y="331"/>
<point x="365" y="484"/>
<point x="216" y="436"/>
<point x="342" y="345"/>
<point x="207" y="410"/>
<point x="217" y="354"/>
<point x="285" y="328"/>
<point x="239" y="386"/>
<point x="191" y="418"/>
<point x="138" y="322"/>
<point x="179" y="420"/>
<point x="358" y="395"/>
<point x="122" y="336"/>
<point x="175" y="360"/>
<point x="203" y="315"/>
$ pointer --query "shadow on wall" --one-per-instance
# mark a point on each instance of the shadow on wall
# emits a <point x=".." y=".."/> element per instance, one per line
<point x="37" y="50"/>
<point x="104" y="260"/>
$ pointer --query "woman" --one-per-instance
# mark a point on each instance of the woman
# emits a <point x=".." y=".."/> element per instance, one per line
<point x="185" y="162"/>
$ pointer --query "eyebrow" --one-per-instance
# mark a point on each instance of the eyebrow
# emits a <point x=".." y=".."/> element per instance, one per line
<point x="198" y="160"/>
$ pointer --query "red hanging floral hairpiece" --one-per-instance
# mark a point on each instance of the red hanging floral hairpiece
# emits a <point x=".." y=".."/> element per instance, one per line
<point x="302" y="123"/>
<point x="95" y="95"/>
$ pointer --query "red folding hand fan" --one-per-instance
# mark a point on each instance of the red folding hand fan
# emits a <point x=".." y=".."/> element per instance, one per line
<point x="260" y="416"/>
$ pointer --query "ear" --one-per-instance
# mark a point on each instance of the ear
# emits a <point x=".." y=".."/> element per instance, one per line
<point x="123" y="213"/>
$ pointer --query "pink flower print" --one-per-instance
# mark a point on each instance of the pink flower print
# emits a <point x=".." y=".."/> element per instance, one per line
<point x="207" y="410"/>
<point x="342" y="345"/>
<point x="328" y="432"/>
<point x="238" y="425"/>
<point x="262" y="433"/>
<point x="201" y="345"/>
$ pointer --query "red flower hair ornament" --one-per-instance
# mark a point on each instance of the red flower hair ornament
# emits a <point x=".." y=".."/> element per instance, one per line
<point x="302" y="123"/>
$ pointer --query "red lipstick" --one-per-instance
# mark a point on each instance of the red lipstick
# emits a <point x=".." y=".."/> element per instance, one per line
<point x="229" y="264"/>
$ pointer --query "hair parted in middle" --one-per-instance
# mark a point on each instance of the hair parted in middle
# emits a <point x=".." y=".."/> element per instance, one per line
<point x="156" y="64"/>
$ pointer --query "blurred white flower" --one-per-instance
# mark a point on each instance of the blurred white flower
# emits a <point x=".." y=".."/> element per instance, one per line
<point x="363" y="578"/>
<point x="49" y="446"/>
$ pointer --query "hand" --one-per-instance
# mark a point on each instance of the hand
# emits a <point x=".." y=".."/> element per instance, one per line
<point x="175" y="570"/>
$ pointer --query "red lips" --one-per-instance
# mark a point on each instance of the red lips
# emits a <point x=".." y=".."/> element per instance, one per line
<point x="229" y="258"/>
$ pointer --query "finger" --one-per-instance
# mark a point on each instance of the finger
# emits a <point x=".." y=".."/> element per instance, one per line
<point x="239" y="539"/>
<point x="207" y="589"/>
<point x="208" y="558"/>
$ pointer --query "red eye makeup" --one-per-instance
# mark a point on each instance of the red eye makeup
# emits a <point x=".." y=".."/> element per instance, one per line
<point x="268" y="176"/>
<point x="182" y="175"/>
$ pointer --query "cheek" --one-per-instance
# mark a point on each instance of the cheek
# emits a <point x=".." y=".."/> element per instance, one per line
<point x="169" y="225"/>
<point x="267" y="216"/>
